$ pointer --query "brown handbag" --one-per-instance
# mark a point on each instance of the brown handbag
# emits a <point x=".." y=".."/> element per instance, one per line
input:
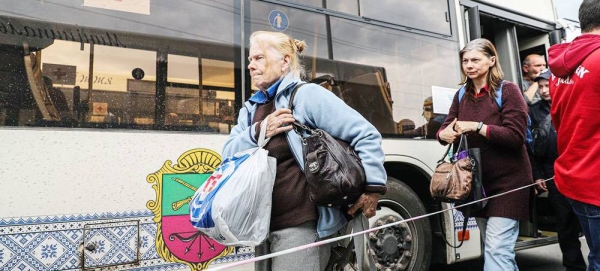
<point x="451" y="181"/>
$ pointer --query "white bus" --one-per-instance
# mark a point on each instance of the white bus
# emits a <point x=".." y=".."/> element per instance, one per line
<point x="112" y="113"/>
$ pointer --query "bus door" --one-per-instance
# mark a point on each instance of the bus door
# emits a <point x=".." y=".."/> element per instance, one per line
<point x="516" y="34"/>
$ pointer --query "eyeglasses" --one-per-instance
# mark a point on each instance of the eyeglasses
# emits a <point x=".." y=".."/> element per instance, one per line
<point x="407" y="127"/>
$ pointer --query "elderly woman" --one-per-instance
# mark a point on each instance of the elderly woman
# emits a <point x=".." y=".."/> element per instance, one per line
<point x="500" y="134"/>
<point x="275" y="70"/>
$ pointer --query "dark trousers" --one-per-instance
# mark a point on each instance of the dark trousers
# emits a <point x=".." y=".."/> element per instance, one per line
<point x="568" y="229"/>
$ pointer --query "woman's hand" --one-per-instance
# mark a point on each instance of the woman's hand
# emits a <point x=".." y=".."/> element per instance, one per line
<point x="368" y="202"/>
<point x="449" y="135"/>
<point x="279" y="122"/>
<point x="463" y="127"/>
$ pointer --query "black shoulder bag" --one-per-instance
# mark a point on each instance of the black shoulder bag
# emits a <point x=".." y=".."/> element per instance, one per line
<point x="333" y="170"/>
<point x="541" y="134"/>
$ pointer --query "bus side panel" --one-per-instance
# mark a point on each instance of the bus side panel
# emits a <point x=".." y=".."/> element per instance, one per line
<point x="62" y="188"/>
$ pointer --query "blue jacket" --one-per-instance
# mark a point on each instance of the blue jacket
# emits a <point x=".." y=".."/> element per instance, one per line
<point x="317" y="107"/>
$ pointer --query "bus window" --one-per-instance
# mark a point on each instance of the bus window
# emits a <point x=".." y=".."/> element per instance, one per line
<point x="116" y="96"/>
<point x="428" y="15"/>
<point x="345" y="6"/>
<point x="315" y="3"/>
<point x="302" y="25"/>
<point x="77" y="77"/>
<point x="207" y="103"/>
<point x="183" y="104"/>
<point x="410" y="64"/>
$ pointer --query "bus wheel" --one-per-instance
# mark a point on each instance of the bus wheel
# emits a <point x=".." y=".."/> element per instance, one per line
<point x="406" y="246"/>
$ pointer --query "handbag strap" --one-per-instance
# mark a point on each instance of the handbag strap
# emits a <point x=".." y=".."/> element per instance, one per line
<point x="445" y="154"/>
<point x="297" y="125"/>
<point x="262" y="141"/>
<point x="359" y="244"/>
<point x="466" y="216"/>
<point x="364" y="259"/>
<point x="463" y="145"/>
<point x="291" y="104"/>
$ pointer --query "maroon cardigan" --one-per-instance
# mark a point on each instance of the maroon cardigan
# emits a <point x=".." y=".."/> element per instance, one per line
<point x="505" y="162"/>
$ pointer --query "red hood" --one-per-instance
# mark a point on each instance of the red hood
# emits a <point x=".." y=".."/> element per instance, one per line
<point x="564" y="58"/>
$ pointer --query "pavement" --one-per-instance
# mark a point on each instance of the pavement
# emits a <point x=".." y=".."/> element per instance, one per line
<point x="546" y="258"/>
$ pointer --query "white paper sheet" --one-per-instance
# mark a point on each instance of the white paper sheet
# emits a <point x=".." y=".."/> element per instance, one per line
<point x="442" y="99"/>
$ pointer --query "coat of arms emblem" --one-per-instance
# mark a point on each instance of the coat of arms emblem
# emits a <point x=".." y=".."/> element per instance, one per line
<point x="175" y="185"/>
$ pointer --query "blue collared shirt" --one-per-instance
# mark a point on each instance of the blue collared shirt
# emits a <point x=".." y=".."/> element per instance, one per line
<point x="260" y="97"/>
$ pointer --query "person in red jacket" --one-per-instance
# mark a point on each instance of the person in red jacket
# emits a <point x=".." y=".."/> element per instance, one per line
<point x="575" y="91"/>
<point x="542" y="158"/>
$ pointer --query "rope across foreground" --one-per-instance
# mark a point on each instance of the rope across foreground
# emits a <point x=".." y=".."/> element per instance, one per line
<point x="335" y="239"/>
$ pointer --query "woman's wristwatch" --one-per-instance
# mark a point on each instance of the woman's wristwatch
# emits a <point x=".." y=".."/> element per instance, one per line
<point x="479" y="126"/>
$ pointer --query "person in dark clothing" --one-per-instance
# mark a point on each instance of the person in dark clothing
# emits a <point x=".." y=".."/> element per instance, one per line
<point x="57" y="96"/>
<point x="542" y="164"/>
<point x="500" y="135"/>
<point x="533" y="65"/>
<point x="434" y="122"/>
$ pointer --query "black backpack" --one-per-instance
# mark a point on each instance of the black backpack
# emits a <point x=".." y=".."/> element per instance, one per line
<point x="541" y="134"/>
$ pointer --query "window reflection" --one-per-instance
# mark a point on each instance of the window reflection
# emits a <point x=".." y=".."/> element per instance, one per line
<point x="135" y="83"/>
<point x="191" y="103"/>
<point x="303" y="25"/>
<point x="345" y="6"/>
<point x="116" y="96"/>
<point x="107" y="68"/>
<point x="384" y="74"/>
<point x="430" y="15"/>
<point x="208" y="20"/>
<point x="314" y="3"/>
<point x="410" y="64"/>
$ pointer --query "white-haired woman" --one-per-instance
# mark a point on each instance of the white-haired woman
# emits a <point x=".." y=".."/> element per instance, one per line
<point x="275" y="70"/>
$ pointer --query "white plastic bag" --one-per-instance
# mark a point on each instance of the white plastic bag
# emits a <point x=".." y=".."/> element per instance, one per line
<point x="233" y="206"/>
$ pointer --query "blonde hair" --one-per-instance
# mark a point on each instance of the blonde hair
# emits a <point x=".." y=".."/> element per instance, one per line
<point x="283" y="45"/>
<point x="495" y="74"/>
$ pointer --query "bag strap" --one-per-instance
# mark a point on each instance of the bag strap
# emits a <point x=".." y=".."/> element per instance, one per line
<point x="364" y="259"/>
<point x="445" y="154"/>
<point x="291" y="103"/>
<point x="499" y="95"/>
<point x="466" y="215"/>
<point x="262" y="141"/>
<point x="463" y="145"/>
<point x="297" y="125"/>
<point x="462" y="90"/>
<point x="359" y="244"/>
<point x="343" y="260"/>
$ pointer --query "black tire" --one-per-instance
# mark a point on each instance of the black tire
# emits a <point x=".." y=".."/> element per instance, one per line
<point x="406" y="246"/>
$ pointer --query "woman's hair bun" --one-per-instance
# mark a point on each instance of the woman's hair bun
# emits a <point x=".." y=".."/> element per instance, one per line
<point x="300" y="45"/>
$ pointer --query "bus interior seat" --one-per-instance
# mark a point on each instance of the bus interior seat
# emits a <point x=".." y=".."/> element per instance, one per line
<point x="329" y="82"/>
<point x="41" y="95"/>
<point x="367" y="93"/>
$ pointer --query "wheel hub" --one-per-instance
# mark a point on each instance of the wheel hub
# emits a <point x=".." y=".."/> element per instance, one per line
<point x="391" y="246"/>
